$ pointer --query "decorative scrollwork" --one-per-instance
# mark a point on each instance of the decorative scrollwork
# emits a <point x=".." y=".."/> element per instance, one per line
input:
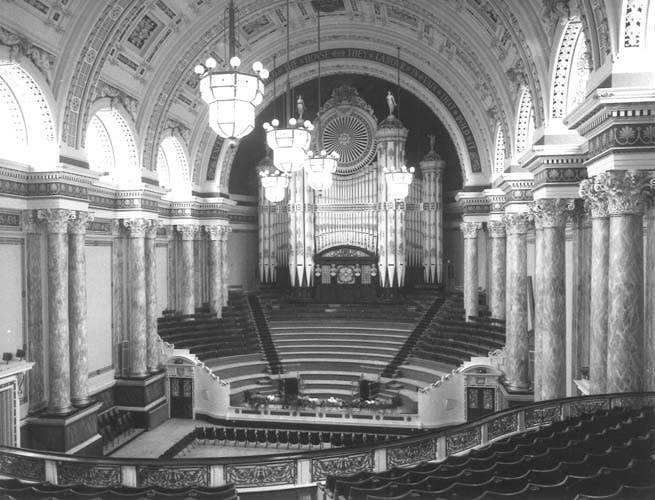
<point x="502" y="425"/>
<point x="324" y="467"/>
<point x="588" y="406"/>
<point x="541" y="416"/>
<point x="91" y="475"/>
<point x="172" y="477"/>
<point x="463" y="440"/>
<point x="264" y="474"/>
<point x="411" y="454"/>
<point x="22" y="467"/>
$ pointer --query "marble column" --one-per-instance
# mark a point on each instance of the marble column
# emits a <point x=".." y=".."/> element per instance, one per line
<point x="625" y="283"/>
<point x="79" y="368"/>
<point x="537" y="294"/>
<point x="649" y="313"/>
<point x="516" y="314"/>
<point x="496" y="231"/>
<point x="550" y="326"/>
<point x="187" y="285"/>
<point x="152" y="338"/>
<point x="138" y="340"/>
<point x="214" y="234"/>
<point x="596" y="203"/>
<point x="226" y="230"/>
<point x="58" y="348"/>
<point x="471" y="299"/>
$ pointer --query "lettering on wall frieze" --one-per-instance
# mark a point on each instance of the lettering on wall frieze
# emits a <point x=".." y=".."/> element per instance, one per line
<point x="7" y="219"/>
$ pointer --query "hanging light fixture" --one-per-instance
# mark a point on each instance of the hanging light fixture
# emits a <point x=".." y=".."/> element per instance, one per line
<point x="275" y="185"/>
<point x="289" y="144"/>
<point x="399" y="178"/>
<point x="398" y="181"/>
<point x="232" y="95"/>
<point x="321" y="166"/>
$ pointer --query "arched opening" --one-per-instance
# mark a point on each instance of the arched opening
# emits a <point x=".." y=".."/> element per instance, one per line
<point x="173" y="169"/>
<point x="524" y="123"/>
<point x="27" y="127"/>
<point x="499" y="156"/>
<point x="111" y="148"/>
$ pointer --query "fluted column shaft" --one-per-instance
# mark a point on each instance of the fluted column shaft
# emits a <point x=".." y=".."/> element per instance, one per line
<point x="223" y="261"/>
<point x="516" y="315"/>
<point x="551" y="311"/>
<point x="152" y="349"/>
<point x="138" y="339"/>
<point x="77" y="313"/>
<point x="596" y="202"/>
<point x="471" y="300"/>
<point x="188" y="269"/>
<point x="58" y="343"/>
<point x="625" y="283"/>
<point x="215" y="269"/>
<point x="497" y="292"/>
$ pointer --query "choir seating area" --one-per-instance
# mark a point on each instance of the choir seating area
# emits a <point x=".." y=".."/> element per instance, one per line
<point x="209" y="337"/>
<point x="21" y="490"/>
<point x="607" y="454"/>
<point x="116" y="427"/>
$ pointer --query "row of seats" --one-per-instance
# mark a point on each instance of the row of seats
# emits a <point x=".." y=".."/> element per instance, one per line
<point x="19" y="490"/>
<point x="209" y="337"/>
<point x="596" y="454"/>
<point x="115" y="425"/>
<point x="282" y="437"/>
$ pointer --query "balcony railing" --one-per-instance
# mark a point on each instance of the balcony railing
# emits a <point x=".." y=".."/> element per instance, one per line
<point x="305" y="468"/>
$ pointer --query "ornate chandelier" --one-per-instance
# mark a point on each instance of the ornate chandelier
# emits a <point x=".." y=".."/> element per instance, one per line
<point x="320" y="169"/>
<point x="275" y="185"/>
<point x="232" y="95"/>
<point x="398" y="182"/>
<point x="289" y="144"/>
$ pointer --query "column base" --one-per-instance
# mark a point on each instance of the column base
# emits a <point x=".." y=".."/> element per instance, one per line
<point x="81" y="402"/>
<point x="75" y="432"/>
<point x="145" y="397"/>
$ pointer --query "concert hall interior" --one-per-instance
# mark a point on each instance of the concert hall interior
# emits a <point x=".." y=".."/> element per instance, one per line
<point x="327" y="249"/>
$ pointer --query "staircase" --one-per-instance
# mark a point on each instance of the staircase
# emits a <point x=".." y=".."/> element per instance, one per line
<point x="413" y="338"/>
<point x="265" y="338"/>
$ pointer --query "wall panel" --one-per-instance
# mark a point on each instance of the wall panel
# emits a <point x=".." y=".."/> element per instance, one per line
<point x="11" y="295"/>
<point x="99" y="296"/>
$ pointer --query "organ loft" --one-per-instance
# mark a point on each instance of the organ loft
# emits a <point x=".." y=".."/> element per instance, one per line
<point x="327" y="249"/>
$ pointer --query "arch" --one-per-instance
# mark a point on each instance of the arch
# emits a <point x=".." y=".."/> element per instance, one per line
<point x="524" y="123"/>
<point x="475" y="170"/>
<point x="111" y="147"/>
<point x="27" y="127"/>
<point x="173" y="168"/>
<point x="563" y="65"/>
<point x="499" y="157"/>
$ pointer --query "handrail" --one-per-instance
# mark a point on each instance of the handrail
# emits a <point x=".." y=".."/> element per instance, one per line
<point x="308" y="467"/>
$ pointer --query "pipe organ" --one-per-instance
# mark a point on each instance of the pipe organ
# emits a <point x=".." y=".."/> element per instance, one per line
<point x="355" y="232"/>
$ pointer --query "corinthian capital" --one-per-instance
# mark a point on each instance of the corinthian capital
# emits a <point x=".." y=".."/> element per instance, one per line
<point x="496" y="229"/>
<point x="215" y="232"/>
<point x="625" y="191"/>
<point x="470" y="229"/>
<point x="78" y="223"/>
<point x="552" y="212"/>
<point x="594" y="196"/>
<point x="517" y="222"/>
<point x="56" y="219"/>
<point x="187" y="231"/>
<point x="152" y="226"/>
<point x="136" y="227"/>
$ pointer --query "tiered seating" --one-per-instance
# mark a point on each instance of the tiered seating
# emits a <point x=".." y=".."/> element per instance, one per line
<point x="18" y="490"/>
<point x="451" y="340"/>
<point x="209" y="337"/>
<point x="116" y="428"/>
<point x="604" y="455"/>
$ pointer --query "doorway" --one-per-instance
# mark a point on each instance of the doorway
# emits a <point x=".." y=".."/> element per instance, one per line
<point x="480" y="401"/>
<point x="181" y="397"/>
